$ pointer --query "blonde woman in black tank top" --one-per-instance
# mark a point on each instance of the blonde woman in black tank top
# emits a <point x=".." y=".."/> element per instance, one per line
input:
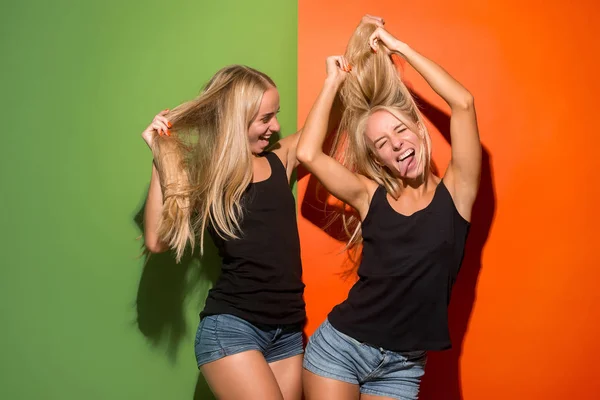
<point x="412" y="224"/>
<point x="249" y="340"/>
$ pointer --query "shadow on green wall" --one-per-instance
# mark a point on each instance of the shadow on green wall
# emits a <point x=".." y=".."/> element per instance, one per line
<point x="166" y="290"/>
<point x="202" y="391"/>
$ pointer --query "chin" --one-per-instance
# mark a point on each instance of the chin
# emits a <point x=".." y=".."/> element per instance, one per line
<point x="410" y="176"/>
<point x="257" y="149"/>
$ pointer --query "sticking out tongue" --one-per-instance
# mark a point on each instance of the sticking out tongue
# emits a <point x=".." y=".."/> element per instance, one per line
<point x="406" y="161"/>
<point x="406" y="164"/>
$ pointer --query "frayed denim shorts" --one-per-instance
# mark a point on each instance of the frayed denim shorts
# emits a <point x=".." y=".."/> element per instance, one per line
<point x="223" y="335"/>
<point x="332" y="354"/>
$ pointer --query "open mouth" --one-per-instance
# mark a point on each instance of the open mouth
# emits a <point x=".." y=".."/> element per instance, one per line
<point x="406" y="154"/>
<point x="264" y="138"/>
<point x="406" y="161"/>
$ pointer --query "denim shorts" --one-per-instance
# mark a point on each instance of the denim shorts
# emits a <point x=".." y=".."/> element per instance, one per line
<point x="223" y="335"/>
<point x="332" y="354"/>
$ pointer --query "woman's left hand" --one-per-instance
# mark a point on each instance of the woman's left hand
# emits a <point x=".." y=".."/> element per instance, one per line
<point x="337" y="69"/>
<point x="389" y="42"/>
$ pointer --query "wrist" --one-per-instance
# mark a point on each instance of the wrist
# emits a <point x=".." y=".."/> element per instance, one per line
<point x="331" y="83"/>
<point x="400" y="47"/>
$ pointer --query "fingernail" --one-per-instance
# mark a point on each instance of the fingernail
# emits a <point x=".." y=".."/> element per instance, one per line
<point x="169" y="124"/>
<point x="168" y="133"/>
<point x="349" y="68"/>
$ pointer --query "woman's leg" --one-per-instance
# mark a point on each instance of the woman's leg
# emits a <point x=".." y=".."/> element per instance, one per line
<point x="241" y="376"/>
<point x="320" y="388"/>
<point x="229" y="351"/>
<point x="288" y="373"/>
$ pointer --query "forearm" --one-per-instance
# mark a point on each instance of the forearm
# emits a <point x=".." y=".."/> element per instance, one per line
<point x="152" y="214"/>
<point x="455" y="94"/>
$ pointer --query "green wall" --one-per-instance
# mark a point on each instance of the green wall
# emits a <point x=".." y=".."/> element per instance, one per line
<point x="81" y="316"/>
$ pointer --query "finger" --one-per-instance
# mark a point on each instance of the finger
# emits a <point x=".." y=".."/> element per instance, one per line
<point x="347" y="67"/>
<point x="379" y="21"/>
<point x="160" y="128"/>
<point x="376" y="20"/>
<point x="343" y="64"/>
<point x="339" y="62"/>
<point x="331" y="63"/>
<point x="165" y="121"/>
<point x="163" y="126"/>
<point x="334" y="60"/>
<point x="373" y="40"/>
<point x="163" y="112"/>
<point x="157" y="128"/>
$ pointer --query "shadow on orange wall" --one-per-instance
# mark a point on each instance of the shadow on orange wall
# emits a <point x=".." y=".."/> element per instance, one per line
<point x="442" y="377"/>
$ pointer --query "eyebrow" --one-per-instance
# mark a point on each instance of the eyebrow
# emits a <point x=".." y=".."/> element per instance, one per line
<point x="395" y="129"/>
<point x="381" y="138"/>
<point x="271" y="113"/>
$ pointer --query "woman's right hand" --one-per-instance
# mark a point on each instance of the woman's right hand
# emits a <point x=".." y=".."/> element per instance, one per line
<point x="372" y="19"/>
<point x="337" y="69"/>
<point x="159" y="124"/>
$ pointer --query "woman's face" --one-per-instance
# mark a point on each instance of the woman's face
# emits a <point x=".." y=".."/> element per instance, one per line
<point x="265" y="124"/>
<point x="395" y="145"/>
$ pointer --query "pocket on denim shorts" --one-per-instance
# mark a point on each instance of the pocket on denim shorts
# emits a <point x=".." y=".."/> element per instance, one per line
<point x="344" y="337"/>
<point x="199" y="332"/>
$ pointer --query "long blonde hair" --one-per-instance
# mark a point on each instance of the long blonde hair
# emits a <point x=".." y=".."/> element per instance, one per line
<point x="374" y="85"/>
<point x="206" y="165"/>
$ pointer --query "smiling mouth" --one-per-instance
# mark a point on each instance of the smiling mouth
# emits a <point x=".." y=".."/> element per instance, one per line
<point x="406" y="154"/>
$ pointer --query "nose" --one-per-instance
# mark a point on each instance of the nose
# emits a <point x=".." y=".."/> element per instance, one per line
<point x="397" y="144"/>
<point x="274" y="127"/>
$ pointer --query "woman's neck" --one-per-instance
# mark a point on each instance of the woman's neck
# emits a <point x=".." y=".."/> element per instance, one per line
<point x="417" y="186"/>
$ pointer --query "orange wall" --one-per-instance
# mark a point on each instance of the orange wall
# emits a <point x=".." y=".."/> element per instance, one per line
<point x="525" y="310"/>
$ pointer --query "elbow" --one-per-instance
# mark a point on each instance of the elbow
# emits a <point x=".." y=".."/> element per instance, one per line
<point x="155" y="246"/>
<point x="305" y="156"/>
<point x="466" y="102"/>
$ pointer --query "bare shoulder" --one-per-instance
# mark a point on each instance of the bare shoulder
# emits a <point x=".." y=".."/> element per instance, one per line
<point x="280" y="153"/>
<point x="282" y="147"/>
<point x="463" y="195"/>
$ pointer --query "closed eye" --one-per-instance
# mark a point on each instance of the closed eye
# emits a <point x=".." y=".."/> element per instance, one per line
<point x="400" y="128"/>
<point x="267" y="117"/>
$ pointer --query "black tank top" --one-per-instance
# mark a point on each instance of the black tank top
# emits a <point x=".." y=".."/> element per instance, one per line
<point x="408" y="267"/>
<point x="261" y="273"/>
